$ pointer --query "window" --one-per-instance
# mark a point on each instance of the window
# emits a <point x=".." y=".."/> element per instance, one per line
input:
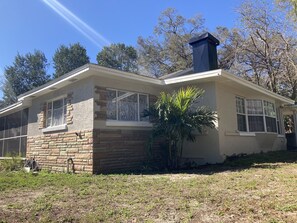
<point x="270" y="117"/>
<point x="255" y="115"/>
<point x="259" y="115"/>
<point x="13" y="134"/>
<point x="126" y="106"/>
<point x="56" y="112"/>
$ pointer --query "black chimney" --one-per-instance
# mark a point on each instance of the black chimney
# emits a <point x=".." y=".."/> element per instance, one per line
<point x="205" y="56"/>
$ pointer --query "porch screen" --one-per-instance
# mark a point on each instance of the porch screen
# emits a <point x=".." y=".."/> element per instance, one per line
<point x="13" y="134"/>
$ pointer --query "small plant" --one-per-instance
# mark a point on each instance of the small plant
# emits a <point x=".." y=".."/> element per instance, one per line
<point x="11" y="163"/>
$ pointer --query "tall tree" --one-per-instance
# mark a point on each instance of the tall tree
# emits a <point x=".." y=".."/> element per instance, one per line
<point x="290" y="6"/>
<point x="168" y="49"/>
<point x="119" y="56"/>
<point x="262" y="49"/>
<point x="27" y="72"/>
<point x="69" y="58"/>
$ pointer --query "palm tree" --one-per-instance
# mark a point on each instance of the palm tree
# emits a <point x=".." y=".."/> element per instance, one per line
<point x="175" y="116"/>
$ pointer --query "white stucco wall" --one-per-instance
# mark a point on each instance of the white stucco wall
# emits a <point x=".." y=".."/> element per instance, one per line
<point x="82" y="102"/>
<point x="206" y="147"/>
<point x="230" y="140"/>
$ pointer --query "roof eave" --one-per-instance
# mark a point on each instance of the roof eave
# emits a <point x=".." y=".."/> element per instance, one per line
<point x="256" y="87"/>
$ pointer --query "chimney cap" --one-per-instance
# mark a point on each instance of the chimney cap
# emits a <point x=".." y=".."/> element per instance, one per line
<point x="202" y="37"/>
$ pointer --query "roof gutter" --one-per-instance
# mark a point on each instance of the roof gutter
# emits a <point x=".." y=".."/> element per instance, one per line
<point x="256" y="87"/>
<point x="50" y="85"/>
<point x="11" y="107"/>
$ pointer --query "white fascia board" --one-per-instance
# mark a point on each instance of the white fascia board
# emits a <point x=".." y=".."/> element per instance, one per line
<point x="11" y="107"/>
<point x="53" y="84"/>
<point x="255" y="87"/>
<point x="92" y="67"/>
<point x="127" y="75"/>
<point x="191" y="77"/>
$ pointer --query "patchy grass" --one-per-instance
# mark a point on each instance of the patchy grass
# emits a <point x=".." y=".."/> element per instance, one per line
<point x="257" y="188"/>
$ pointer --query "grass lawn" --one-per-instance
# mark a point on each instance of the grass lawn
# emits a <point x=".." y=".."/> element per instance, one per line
<point x="257" y="188"/>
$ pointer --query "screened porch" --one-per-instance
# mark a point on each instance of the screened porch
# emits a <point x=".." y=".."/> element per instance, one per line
<point x="13" y="134"/>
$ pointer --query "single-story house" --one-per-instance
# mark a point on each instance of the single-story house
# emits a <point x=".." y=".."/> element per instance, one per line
<point x="93" y="116"/>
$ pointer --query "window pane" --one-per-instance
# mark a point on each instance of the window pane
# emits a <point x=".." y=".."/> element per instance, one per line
<point x="111" y="105"/>
<point x="56" y="113"/>
<point x="58" y="104"/>
<point x="2" y="121"/>
<point x="254" y="107"/>
<point x="1" y="148"/>
<point x="241" y="123"/>
<point x="143" y="104"/>
<point x="256" y="123"/>
<point x="23" y="146"/>
<point x="269" y="109"/>
<point x="13" y="124"/>
<point x="24" y="121"/>
<point x="58" y="117"/>
<point x="127" y="106"/>
<point x="271" y="124"/>
<point x="11" y="147"/>
<point x="240" y="105"/>
<point x="49" y="118"/>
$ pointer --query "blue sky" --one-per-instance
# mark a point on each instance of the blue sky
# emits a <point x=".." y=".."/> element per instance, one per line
<point x="46" y="24"/>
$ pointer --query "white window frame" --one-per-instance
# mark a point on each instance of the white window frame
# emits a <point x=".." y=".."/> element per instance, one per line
<point x="55" y="127"/>
<point x="138" y="122"/>
<point x="263" y="115"/>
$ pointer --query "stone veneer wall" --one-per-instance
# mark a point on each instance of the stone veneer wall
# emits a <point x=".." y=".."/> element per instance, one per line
<point x="53" y="150"/>
<point x="118" y="150"/>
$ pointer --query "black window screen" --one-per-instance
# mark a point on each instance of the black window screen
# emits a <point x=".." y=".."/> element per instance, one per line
<point x="13" y="134"/>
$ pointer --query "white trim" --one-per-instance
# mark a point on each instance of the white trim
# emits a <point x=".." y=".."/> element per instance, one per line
<point x="238" y="133"/>
<point x="191" y="77"/>
<point x="255" y="87"/>
<point x="54" y="84"/>
<point x="13" y="137"/>
<point x="11" y="107"/>
<point x="128" y="123"/>
<point x="123" y="74"/>
<point x="9" y="158"/>
<point x="248" y="133"/>
<point x="55" y="128"/>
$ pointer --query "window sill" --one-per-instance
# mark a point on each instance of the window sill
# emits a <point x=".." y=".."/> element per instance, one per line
<point x="54" y="128"/>
<point x="10" y="158"/>
<point x="248" y="134"/>
<point x="251" y="134"/>
<point x="128" y="123"/>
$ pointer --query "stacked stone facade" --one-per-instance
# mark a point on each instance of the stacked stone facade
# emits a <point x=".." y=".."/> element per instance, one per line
<point x="51" y="151"/>
<point x="118" y="150"/>
<point x="100" y="103"/>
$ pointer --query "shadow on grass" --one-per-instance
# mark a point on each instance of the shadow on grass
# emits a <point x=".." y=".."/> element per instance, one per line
<point x="269" y="160"/>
